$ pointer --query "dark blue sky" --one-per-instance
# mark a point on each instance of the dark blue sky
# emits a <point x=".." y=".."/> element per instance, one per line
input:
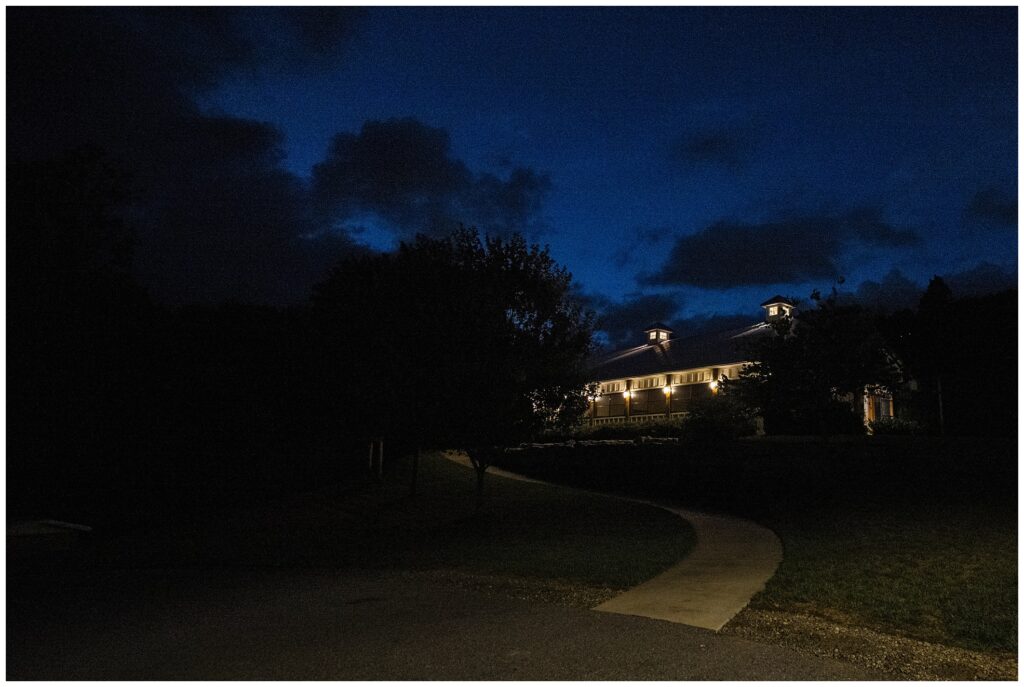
<point x="655" y="124"/>
<point x="682" y="162"/>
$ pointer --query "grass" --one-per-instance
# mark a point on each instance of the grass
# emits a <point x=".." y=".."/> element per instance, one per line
<point x="548" y="537"/>
<point x="941" y="572"/>
<point x="908" y="536"/>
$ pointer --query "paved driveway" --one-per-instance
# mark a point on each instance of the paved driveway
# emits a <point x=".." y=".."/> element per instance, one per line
<point x="354" y="625"/>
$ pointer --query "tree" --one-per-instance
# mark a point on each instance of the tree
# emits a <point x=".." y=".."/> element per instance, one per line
<point x="959" y="351"/>
<point x="73" y="315"/>
<point x="457" y="342"/>
<point x="932" y="354"/>
<point x="810" y="373"/>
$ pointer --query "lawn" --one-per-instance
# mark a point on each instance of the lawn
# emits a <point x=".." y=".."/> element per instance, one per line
<point x="914" y="537"/>
<point x="937" y="572"/>
<point x="552" y="542"/>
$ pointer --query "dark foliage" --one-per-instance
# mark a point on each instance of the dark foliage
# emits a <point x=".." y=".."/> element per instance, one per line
<point x="216" y="213"/>
<point x="454" y="342"/>
<point x="962" y="354"/>
<point x="947" y="364"/>
<point x="709" y="419"/>
<point x="631" y="430"/>
<point x="895" y="426"/>
<point x="765" y="476"/>
<point x="122" y="407"/>
<point x="808" y="378"/>
<point x="122" y="410"/>
<point x="717" y="418"/>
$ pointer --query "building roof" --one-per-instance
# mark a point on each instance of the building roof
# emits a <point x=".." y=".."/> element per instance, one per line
<point x="701" y="350"/>
<point x="778" y="299"/>
<point x="659" y="325"/>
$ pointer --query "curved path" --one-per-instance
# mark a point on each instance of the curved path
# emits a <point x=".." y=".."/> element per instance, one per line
<point x="732" y="561"/>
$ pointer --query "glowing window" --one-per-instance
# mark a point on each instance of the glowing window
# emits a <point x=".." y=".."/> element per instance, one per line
<point x="653" y="335"/>
<point x="773" y="310"/>
<point x="662" y="335"/>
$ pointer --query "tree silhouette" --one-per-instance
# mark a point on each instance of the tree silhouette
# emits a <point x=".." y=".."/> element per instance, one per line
<point x="959" y="351"/>
<point x="454" y="342"/>
<point x="76" y="319"/>
<point x="805" y="370"/>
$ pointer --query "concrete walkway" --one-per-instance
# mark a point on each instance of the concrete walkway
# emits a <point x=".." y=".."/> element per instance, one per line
<point x="732" y="561"/>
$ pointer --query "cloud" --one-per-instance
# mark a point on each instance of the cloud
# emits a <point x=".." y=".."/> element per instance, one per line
<point x="709" y="323"/>
<point x="105" y="75"/>
<point x="730" y="148"/>
<point x="897" y="292"/>
<point x="981" y="279"/>
<point x="623" y="322"/>
<point x="236" y="226"/>
<point x="402" y="171"/>
<point x="794" y="249"/>
<point x="894" y="292"/>
<point x="317" y="32"/>
<point x="992" y="207"/>
<point x="642" y="241"/>
<point x="217" y="216"/>
<point x="620" y="324"/>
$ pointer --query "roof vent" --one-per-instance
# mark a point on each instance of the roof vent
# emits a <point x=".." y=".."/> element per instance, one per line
<point x="777" y="307"/>
<point x="657" y="333"/>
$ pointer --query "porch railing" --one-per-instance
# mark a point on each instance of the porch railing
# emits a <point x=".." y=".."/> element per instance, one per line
<point x="622" y="419"/>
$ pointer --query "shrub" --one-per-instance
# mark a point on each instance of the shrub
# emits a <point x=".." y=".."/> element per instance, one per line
<point x="712" y="419"/>
<point x="717" y="418"/>
<point x="833" y="418"/>
<point x="556" y="436"/>
<point x="632" y="430"/>
<point x="895" y="426"/>
<point x="839" y="418"/>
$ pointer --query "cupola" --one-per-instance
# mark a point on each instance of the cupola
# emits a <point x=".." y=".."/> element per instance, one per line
<point x="777" y="307"/>
<point x="657" y="333"/>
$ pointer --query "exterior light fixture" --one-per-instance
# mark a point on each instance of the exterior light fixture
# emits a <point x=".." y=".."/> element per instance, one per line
<point x="714" y="386"/>
<point x="667" y="389"/>
<point x="626" y="394"/>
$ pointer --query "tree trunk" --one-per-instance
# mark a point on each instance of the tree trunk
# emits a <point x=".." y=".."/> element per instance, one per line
<point x="415" y="472"/>
<point x="380" y="461"/>
<point x="480" y="462"/>
<point x="480" y="469"/>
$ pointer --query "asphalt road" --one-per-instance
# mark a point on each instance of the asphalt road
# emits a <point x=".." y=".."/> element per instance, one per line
<point x="350" y="625"/>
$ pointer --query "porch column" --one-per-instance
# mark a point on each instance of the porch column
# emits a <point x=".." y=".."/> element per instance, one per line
<point x="629" y="397"/>
<point x="668" y="397"/>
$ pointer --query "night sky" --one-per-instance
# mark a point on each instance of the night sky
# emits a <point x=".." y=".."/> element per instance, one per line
<point x="683" y="163"/>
